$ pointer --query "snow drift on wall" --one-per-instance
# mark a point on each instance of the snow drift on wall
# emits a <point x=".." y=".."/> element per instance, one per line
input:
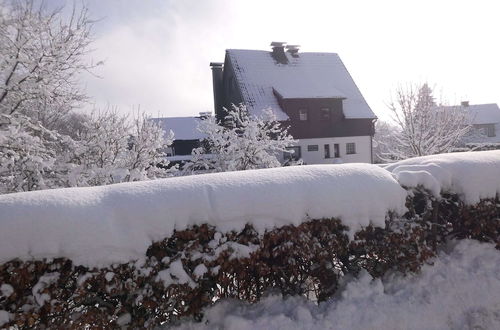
<point x="473" y="175"/>
<point x="98" y="226"/>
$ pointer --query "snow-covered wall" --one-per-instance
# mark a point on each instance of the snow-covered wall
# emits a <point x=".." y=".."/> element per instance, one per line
<point x="473" y="175"/>
<point x="98" y="226"/>
<point x="110" y="224"/>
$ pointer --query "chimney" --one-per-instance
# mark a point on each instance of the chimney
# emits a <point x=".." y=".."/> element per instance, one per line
<point x="279" y="52"/>
<point x="293" y="50"/>
<point x="205" y="114"/>
<point x="465" y="104"/>
<point x="217" y="70"/>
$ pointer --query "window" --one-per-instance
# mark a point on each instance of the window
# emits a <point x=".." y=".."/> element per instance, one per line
<point x="350" y="148"/>
<point x="327" y="151"/>
<point x="303" y="114"/>
<point x="489" y="130"/>
<point x="312" y="147"/>
<point x="294" y="155"/>
<point x="336" y="150"/>
<point x="325" y="113"/>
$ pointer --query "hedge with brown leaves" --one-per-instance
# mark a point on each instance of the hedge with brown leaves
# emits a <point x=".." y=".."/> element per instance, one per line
<point x="308" y="260"/>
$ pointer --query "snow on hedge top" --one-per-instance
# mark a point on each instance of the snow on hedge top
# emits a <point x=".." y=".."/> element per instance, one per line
<point x="97" y="226"/>
<point x="474" y="175"/>
<point x="310" y="75"/>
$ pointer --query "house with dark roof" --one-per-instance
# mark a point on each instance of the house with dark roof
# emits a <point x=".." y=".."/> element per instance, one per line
<point x="186" y="135"/>
<point x="312" y="93"/>
<point x="486" y="118"/>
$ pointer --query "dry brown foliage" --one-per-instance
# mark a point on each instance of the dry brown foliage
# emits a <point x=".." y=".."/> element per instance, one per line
<point x="308" y="260"/>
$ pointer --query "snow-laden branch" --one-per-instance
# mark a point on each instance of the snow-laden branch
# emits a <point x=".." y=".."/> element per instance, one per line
<point x="242" y="142"/>
<point x="421" y="126"/>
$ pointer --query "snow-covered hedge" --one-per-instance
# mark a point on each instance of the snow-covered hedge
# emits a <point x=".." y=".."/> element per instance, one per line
<point x="460" y="290"/>
<point x="473" y="176"/>
<point x="146" y="253"/>
<point x="98" y="226"/>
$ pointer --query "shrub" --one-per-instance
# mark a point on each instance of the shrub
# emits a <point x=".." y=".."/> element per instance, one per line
<point x="194" y="268"/>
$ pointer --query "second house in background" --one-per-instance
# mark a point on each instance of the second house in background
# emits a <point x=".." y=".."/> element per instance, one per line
<point x="313" y="93"/>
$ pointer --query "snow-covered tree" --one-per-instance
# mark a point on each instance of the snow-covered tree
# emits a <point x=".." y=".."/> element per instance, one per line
<point x="31" y="156"/>
<point x="44" y="142"/>
<point x="424" y="128"/>
<point x="242" y="142"/>
<point x="111" y="149"/>
<point x="41" y="56"/>
<point x="146" y="156"/>
<point x="383" y="140"/>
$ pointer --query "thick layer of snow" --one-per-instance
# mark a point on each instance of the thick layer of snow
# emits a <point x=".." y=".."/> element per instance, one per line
<point x="4" y="317"/>
<point x="473" y="175"/>
<point x="484" y="113"/>
<point x="460" y="291"/>
<point x="184" y="128"/>
<point x="178" y="158"/>
<point x="481" y="113"/>
<point x="116" y="223"/>
<point x="308" y="75"/>
<point x="305" y="90"/>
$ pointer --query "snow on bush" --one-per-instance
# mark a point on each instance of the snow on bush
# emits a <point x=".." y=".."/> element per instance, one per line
<point x="97" y="226"/>
<point x="473" y="176"/>
<point x="240" y="142"/>
<point x="188" y="242"/>
<point x="461" y="290"/>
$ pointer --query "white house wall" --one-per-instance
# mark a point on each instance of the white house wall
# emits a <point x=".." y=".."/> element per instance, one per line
<point x="363" y="150"/>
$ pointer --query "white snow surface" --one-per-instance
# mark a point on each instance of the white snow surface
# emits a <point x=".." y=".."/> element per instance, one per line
<point x="98" y="226"/>
<point x="310" y="75"/>
<point x="473" y="175"/>
<point x="481" y="113"/>
<point x="184" y="128"/>
<point x="461" y="290"/>
<point x="6" y="290"/>
<point x="4" y="317"/>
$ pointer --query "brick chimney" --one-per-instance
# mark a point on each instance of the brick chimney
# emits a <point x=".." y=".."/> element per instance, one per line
<point x="217" y="70"/>
<point x="293" y="50"/>
<point x="205" y="114"/>
<point x="279" y="52"/>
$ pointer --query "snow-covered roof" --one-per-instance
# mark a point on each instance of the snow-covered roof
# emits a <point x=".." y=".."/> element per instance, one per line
<point x="484" y="113"/>
<point x="310" y="75"/>
<point x="481" y="113"/>
<point x="184" y="128"/>
<point x="305" y="90"/>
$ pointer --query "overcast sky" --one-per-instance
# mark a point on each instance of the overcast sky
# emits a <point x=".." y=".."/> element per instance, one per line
<point x="157" y="53"/>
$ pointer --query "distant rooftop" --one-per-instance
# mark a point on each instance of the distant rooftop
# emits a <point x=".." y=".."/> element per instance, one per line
<point x="184" y="128"/>
<point x="309" y="75"/>
<point x="482" y="113"/>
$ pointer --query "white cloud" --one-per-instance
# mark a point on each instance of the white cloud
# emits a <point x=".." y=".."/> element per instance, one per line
<point x="158" y="53"/>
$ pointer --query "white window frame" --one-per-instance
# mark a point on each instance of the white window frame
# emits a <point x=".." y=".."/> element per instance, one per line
<point x="303" y="114"/>
<point x="324" y="111"/>
<point x="312" y="147"/>
<point x="349" y="150"/>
